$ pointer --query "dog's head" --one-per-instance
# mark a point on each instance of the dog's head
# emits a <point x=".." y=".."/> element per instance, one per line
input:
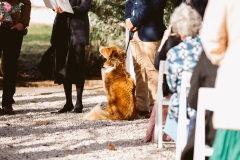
<point x="115" y="56"/>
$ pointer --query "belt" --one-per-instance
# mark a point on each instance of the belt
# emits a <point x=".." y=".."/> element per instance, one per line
<point x="7" y="23"/>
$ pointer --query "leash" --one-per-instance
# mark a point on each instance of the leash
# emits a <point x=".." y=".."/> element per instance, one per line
<point x="130" y="38"/>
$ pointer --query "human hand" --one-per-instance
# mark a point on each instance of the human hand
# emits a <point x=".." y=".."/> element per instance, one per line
<point x="1" y="18"/>
<point x="129" y="25"/>
<point x="166" y="34"/>
<point x="58" y="10"/>
<point x="18" y="26"/>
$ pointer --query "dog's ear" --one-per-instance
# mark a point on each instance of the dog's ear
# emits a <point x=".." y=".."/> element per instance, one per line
<point x="105" y="51"/>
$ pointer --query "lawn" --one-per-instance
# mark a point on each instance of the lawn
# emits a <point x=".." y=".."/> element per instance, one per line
<point x="35" y="43"/>
<point x="37" y="40"/>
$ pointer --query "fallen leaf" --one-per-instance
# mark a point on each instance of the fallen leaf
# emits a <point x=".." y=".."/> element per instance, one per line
<point x="43" y="122"/>
<point x="111" y="147"/>
<point x="14" y="138"/>
<point x="83" y="152"/>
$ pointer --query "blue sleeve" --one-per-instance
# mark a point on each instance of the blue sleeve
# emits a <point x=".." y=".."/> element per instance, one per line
<point x="147" y="13"/>
<point x="128" y="8"/>
<point x="172" y="70"/>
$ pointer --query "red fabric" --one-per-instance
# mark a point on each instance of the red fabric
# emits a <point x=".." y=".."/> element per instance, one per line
<point x="151" y="124"/>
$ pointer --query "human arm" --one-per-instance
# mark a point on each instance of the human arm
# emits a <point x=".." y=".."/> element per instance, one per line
<point x="128" y="9"/>
<point x="25" y="12"/>
<point x="172" y="72"/>
<point x="148" y="12"/>
<point x="79" y="10"/>
<point x="214" y="35"/>
<point x="171" y="42"/>
<point x="128" y="14"/>
<point x="25" y="16"/>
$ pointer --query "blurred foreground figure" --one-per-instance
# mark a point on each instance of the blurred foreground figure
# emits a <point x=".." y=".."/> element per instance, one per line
<point x="221" y="38"/>
<point x="11" y="33"/>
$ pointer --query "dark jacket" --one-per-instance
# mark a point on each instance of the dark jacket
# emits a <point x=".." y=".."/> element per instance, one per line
<point x="204" y="75"/>
<point x="67" y="29"/>
<point x="148" y="16"/>
<point x="77" y="24"/>
<point x="200" y="6"/>
<point x="171" y="42"/>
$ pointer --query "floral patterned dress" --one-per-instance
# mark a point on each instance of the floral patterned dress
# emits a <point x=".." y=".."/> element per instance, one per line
<point x="182" y="57"/>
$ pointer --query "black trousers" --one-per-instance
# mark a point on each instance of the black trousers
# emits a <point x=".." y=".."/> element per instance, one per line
<point x="11" y="43"/>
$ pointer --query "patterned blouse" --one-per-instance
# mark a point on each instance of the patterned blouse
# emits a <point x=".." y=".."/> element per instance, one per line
<point x="182" y="57"/>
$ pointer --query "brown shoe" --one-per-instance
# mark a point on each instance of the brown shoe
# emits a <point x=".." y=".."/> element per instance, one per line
<point x="145" y="114"/>
<point x="8" y="110"/>
<point x="148" y="115"/>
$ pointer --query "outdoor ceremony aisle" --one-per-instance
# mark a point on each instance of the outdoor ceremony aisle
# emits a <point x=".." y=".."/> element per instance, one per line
<point x="34" y="133"/>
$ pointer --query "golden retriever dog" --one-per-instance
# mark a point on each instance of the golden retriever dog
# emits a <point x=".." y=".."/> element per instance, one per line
<point x="119" y="87"/>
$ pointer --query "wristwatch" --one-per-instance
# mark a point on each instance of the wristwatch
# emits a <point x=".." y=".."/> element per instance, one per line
<point x="24" y="25"/>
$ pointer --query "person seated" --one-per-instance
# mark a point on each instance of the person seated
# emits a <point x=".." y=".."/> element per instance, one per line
<point x="186" y="22"/>
<point x="204" y="75"/>
<point x="169" y="41"/>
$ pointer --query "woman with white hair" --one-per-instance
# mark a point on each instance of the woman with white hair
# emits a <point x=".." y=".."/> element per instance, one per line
<point x="186" y="22"/>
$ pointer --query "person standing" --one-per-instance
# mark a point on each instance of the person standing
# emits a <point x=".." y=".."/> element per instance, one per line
<point x="144" y="19"/>
<point x="70" y="35"/>
<point x="11" y="34"/>
<point x="221" y="38"/>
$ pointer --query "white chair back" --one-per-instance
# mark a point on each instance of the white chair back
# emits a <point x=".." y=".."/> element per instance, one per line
<point x="183" y="122"/>
<point x="206" y="101"/>
<point x="160" y="101"/>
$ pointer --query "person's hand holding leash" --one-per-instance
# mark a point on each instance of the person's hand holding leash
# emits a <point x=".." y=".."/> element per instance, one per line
<point x="129" y="25"/>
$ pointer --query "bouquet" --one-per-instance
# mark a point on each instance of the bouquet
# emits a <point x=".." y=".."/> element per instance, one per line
<point x="6" y="9"/>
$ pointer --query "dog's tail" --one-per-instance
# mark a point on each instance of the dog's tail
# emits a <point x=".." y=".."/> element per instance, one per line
<point x="97" y="114"/>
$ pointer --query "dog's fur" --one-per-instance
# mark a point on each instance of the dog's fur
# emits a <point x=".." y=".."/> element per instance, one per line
<point x="119" y="87"/>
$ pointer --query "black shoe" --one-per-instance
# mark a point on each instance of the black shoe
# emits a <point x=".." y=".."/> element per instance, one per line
<point x="143" y="113"/>
<point x="8" y="110"/>
<point x="66" y="108"/>
<point x="78" y="108"/>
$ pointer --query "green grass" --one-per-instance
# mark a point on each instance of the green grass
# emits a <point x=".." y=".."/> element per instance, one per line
<point x="37" y="41"/>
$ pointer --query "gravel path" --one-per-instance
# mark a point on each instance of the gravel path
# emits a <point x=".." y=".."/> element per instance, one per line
<point x="68" y="136"/>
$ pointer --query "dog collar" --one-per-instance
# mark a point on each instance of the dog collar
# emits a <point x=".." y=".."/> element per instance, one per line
<point x="108" y="69"/>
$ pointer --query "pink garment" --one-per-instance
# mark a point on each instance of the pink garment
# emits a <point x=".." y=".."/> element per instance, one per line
<point x="150" y="130"/>
<point x="151" y="124"/>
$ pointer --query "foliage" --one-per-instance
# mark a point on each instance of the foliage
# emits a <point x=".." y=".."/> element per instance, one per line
<point x="107" y="28"/>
